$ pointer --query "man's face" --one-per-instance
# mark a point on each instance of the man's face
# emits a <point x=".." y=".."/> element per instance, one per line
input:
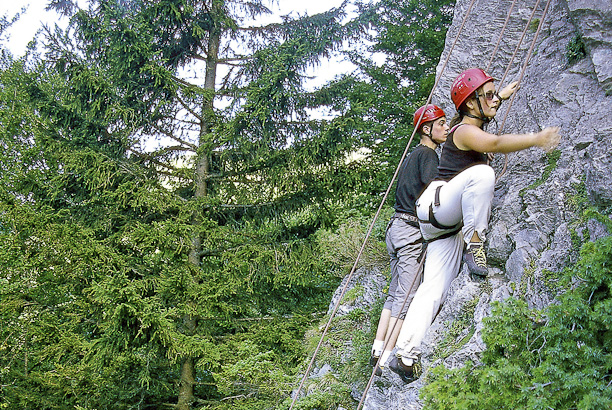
<point x="439" y="130"/>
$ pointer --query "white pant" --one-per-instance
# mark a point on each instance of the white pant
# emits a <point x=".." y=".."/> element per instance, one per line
<point x="466" y="197"/>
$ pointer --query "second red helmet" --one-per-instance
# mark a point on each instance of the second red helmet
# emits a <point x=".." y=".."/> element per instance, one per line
<point x="466" y="83"/>
<point x="432" y="113"/>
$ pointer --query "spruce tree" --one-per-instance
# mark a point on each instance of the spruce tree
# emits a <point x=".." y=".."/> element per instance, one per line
<point x="129" y="266"/>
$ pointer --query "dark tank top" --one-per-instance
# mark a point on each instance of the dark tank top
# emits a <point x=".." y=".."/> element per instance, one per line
<point x="453" y="160"/>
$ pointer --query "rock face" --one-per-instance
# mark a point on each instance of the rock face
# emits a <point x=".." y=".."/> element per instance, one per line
<point x="537" y="221"/>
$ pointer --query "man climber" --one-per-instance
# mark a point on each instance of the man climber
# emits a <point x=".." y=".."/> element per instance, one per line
<point x="403" y="237"/>
<point x="454" y="209"/>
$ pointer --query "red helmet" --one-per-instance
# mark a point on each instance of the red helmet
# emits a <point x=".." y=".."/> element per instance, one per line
<point x="432" y="113"/>
<point x="466" y="83"/>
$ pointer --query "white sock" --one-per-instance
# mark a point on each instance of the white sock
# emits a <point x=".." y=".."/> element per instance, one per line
<point x="472" y="244"/>
<point x="377" y="347"/>
<point x="407" y="361"/>
<point x="385" y="356"/>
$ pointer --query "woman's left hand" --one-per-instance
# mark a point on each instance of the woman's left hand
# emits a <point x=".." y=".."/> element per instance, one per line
<point x="508" y="90"/>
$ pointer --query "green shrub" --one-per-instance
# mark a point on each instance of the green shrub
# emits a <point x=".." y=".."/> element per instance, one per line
<point x="340" y="247"/>
<point x="557" y="358"/>
<point x="575" y="50"/>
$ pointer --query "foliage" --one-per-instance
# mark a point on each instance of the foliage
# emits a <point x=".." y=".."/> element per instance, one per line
<point x="558" y="358"/>
<point x="395" y="73"/>
<point x="166" y="241"/>
<point x="346" y="350"/>
<point x="341" y="246"/>
<point x="575" y="50"/>
<point x="118" y="274"/>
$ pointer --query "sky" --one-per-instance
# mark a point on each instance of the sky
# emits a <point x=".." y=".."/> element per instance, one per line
<point x="35" y="16"/>
<point x="22" y="32"/>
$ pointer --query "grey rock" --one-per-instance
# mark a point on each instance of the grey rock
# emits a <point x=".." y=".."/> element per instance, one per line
<point x="530" y="232"/>
<point x="597" y="178"/>
<point x="597" y="230"/>
<point x="366" y="286"/>
<point x="318" y="373"/>
<point x="535" y="218"/>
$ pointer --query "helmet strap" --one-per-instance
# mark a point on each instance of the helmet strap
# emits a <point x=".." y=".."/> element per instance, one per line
<point x="430" y="134"/>
<point x="482" y="115"/>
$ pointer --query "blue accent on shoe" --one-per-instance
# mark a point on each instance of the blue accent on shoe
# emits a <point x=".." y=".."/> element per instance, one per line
<point x="406" y="373"/>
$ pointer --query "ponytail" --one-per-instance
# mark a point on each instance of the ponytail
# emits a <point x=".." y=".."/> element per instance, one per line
<point x="456" y="119"/>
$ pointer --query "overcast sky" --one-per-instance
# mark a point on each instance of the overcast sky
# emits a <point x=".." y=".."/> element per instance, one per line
<point x="35" y="17"/>
<point x="25" y="29"/>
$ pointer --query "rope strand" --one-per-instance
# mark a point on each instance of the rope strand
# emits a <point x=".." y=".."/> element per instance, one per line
<point x="524" y="68"/>
<point x="405" y="153"/>
<point x="501" y="34"/>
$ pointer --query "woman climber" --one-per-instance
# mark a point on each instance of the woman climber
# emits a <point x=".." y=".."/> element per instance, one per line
<point x="454" y="209"/>
<point x="403" y="237"/>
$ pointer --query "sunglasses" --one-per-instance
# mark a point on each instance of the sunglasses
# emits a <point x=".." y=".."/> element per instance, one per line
<point x="489" y="95"/>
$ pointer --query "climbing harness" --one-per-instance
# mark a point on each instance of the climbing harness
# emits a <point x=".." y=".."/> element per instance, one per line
<point x="432" y="218"/>
<point x="410" y="219"/>
<point x="386" y="194"/>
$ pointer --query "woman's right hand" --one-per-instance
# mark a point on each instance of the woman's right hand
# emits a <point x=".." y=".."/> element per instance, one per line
<point x="548" y="139"/>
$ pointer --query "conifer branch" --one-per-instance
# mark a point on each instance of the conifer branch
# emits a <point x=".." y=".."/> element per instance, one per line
<point x="270" y="28"/>
<point x="175" y="138"/>
<point x="188" y="108"/>
<point x="152" y="159"/>
<point x="185" y="83"/>
<point x="233" y="60"/>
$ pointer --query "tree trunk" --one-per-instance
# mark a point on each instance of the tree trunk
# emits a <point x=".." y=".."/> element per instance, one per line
<point x="188" y="372"/>
<point x="187" y="382"/>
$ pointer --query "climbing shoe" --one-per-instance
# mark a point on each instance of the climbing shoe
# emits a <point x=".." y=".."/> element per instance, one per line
<point x="476" y="259"/>
<point x="405" y="372"/>
<point x="374" y="362"/>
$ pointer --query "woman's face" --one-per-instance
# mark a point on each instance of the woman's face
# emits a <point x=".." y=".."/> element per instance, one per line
<point x="489" y="101"/>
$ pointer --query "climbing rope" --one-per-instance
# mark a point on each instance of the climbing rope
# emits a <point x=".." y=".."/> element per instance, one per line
<point x="520" y="42"/>
<point x="516" y="49"/>
<point x="501" y="34"/>
<point x="388" y="190"/>
<point x="522" y="74"/>
<point x="384" y="199"/>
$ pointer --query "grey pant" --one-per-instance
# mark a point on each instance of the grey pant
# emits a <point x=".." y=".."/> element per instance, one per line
<point x="404" y="245"/>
